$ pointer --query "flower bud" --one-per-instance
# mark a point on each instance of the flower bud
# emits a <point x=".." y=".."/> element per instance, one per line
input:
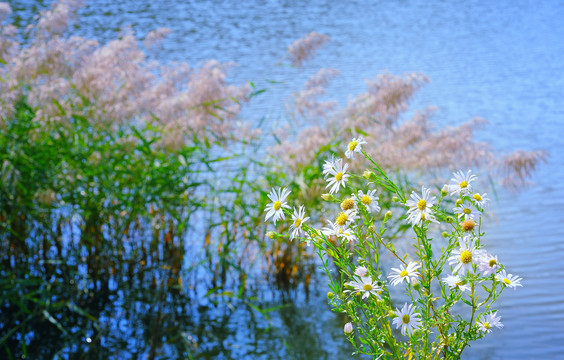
<point x="270" y="234"/>
<point x="388" y="215"/>
<point x="361" y="271"/>
<point x="348" y="329"/>
<point x="330" y="295"/>
<point x="416" y="285"/>
<point x="444" y="234"/>
<point x="392" y="314"/>
<point x="444" y="190"/>
<point x="372" y="228"/>
<point x="367" y="174"/>
<point x="326" y="197"/>
<point x="395" y="198"/>
<point x="458" y="202"/>
<point x="449" y="219"/>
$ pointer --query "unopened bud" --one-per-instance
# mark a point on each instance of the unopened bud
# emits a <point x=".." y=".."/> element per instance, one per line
<point x="330" y="295"/>
<point x="395" y="198"/>
<point x="445" y="234"/>
<point x="326" y="197"/>
<point x="372" y="228"/>
<point x="361" y="271"/>
<point x="444" y="190"/>
<point x="416" y="285"/>
<point x="348" y="329"/>
<point x="270" y="234"/>
<point x="449" y="219"/>
<point x="367" y="174"/>
<point x="458" y="202"/>
<point x="388" y="215"/>
<point x="392" y="314"/>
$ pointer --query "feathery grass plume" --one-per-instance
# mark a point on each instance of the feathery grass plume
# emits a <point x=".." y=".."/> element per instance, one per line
<point x="305" y="103"/>
<point x="115" y="83"/>
<point x="5" y="10"/>
<point x="155" y="37"/>
<point x="412" y="144"/>
<point x="386" y="98"/>
<point x="305" y="48"/>
<point x="519" y="165"/>
<point x="56" y="20"/>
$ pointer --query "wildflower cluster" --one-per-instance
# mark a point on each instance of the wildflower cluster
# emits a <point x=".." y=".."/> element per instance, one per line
<point x="427" y="303"/>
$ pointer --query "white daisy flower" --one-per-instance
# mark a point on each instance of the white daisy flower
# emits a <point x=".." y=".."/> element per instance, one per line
<point x="275" y="209"/>
<point x="329" y="164"/>
<point x="408" y="273"/>
<point x="466" y="212"/>
<point x="407" y="319"/>
<point x="420" y="207"/>
<point x="370" y="200"/>
<point x="298" y="218"/>
<point x="339" y="231"/>
<point x="490" y="321"/>
<point x="361" y="271"/>
<point x="336" y="175"/>
<point x="331" y="230"/>
<point x="345" y="218"/>
<point x="462" y="182"/>
<point x="366" y="286"/>
<point x="481" y="201"/>
<point x="355" y="146"/>
<point x="347" y="234"/>
<point x="463" y="257"/>
<point x="348" y="204"/>
<point x="488" y="264"/>
<point x="454" y="281"/>
<point x="510" y="280"/>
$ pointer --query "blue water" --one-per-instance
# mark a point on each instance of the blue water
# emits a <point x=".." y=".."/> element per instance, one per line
<point x="501" y="60"/>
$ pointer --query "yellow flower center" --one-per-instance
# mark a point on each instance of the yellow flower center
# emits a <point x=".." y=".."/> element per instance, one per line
<point x="422" y="204"/>
<point x="352" y="145"/>
<point x="487" y="325"/>
<point x="459" y="283"/>
<point x="467" y="211"/>
<point x="463" y="184"/>
<point x="477" y="197"/>
<point x="339" y="176"/>
<point x="506" y="281"/>
<point x="297" y="223"/>
<point x="466" y="256"/>
<point x="404" y="273"/>
<point x="405" y="319"/>
<point x="347" y="204"/>
<point x="277" y="205"/>
<point x="367" y="287"/>
<point x="492" y="263"/>
<point x="366" y="200"/>
<point x="342" y="219"/>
